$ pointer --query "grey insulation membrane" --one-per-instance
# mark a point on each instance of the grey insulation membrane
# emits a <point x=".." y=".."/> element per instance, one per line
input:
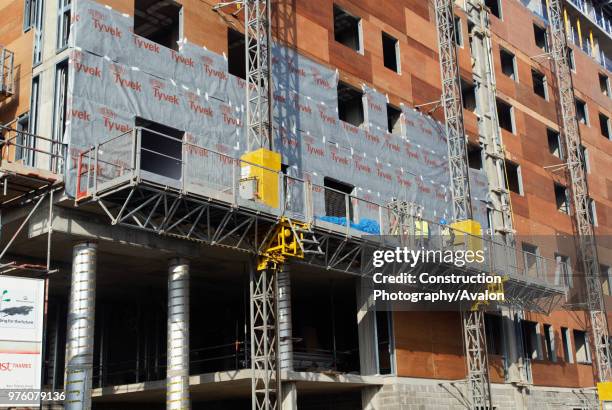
<point x="116" y="76"/>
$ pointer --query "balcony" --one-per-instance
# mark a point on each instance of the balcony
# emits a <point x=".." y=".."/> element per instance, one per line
<point x="187" y="191"/>
<point x="7" y="80"/>
<point x="29" y="163"/>
<point x="595" y="13"/>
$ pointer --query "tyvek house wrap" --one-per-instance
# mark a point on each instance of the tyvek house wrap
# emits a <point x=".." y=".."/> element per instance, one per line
<point x="192" y="91"/>
<point x="375" y="108"/>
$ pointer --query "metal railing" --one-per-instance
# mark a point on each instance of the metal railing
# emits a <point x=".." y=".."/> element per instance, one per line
<point x="190" y="169"/>
<point x="594" y="13"/>
<point x="144" y="368"/>
<point x="30" y="150"/>
<point x="7" y="80"/>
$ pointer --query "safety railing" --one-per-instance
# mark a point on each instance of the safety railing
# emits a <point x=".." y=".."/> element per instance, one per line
<point x="146" y="155"/>
<point x="595" y="13"/>
<point x="33" y="151"/>
<point x="7" y="79"/>
<point x="152" y="366"/>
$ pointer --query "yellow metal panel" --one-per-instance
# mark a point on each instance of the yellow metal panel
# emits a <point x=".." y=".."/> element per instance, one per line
<point x="263" y="165"/>
<point x="604" y="390"/>
<point x="472" y="240"/>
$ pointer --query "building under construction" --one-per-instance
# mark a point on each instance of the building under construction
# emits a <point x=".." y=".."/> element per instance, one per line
<point x="201" y="184"/>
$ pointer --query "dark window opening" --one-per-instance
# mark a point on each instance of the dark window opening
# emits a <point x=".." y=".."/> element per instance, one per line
<point x="570" y="59"/>
<point x="583" y="354"/>
<point x="383" y="332"/>
<point x="23" y="122"/>
<point x="505" y="114"/>
<point x="584" y="158"/>
<point x="562" y="199"/>
<point x="513" y="172"/>
<point x="539" y="84"/>
<point x="32" y="10"/>
<point x="60" y="100"/>
<point x="495" y="332"/>
<point x="531" y="259"/>
<point x="337" y="198"/>
<point x="604" y="126"/>
<point x="508" y="63"/>
<point x="604" y="84"/>
<point x="458" y="32"/>
<point x="475" y="156"/>
<point x="582" y="115"/>
<point x="540" y="37"/>
<point x="567" y="347"/>
<point x="564" y="269"/>
<point x="236" y="57"/>
<point x="592" y="211"/>
<point x="549" y="339"/>
<point x="34" y="104"/>
<point x="393" y="120"/>
<point x="495" y="7"/>
<point x="161" y="149"/>
<point x="391" y="52"/>
<point x="468" y="95"/>
<point x="554" y="143"/>
<point x="158" y="21"/>
<point x="605" y="271"/>
<point x="350" y="104"/>
<point x="530" y="340"/>
<point x="346" y="29"/>
<point x="63" y="23"/>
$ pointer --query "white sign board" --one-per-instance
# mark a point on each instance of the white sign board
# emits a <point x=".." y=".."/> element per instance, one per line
<point x="21" y="329"/>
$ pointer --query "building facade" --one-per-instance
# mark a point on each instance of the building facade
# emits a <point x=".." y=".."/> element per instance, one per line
<point x="141" y="300"/>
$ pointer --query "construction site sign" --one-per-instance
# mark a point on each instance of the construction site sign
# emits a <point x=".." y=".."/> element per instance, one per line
<point x="21" y="330"/>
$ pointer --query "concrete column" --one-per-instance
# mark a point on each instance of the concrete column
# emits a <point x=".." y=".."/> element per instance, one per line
<point x="366" y="328"/>
<point x="177" y="374"/>
<point x="80" y="328"/>
<point x="285" y="331"/>
<point x="511" y="346"/>
<point x="289" y="396"/>
<point x="369" y="398"/>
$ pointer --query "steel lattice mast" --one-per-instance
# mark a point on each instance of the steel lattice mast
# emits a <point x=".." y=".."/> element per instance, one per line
<point x="580" y="192"/>
<point x="258" y="39"/>
<point x="265" y="379"/>
<point x="473" y="321"/>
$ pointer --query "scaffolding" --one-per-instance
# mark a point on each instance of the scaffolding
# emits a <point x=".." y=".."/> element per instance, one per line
<point x="474" y="337"/>
<point x="580" y="192"/>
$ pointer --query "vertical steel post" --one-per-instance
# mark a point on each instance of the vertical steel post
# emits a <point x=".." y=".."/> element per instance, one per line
<point x="580" y="192"/>
<point x="265" y="380"/>
<point x="257" y="35"/>
<point x="451" y="100"/>
<point x="177" y="374"/>
<point x="80" y="332"/>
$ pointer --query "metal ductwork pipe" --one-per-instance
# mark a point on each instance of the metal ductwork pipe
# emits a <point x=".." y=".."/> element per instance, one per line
<point x="177" y="376"/>
<point x="80" y="329"/>
<point x="284" y="318"/>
